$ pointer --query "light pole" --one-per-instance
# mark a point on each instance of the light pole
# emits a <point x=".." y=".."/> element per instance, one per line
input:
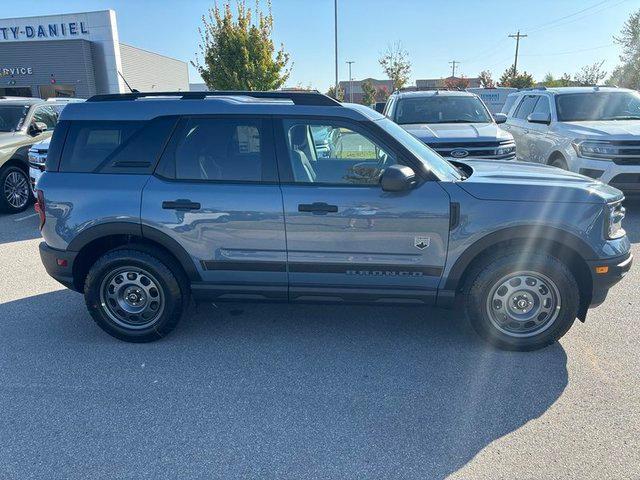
<point x="335" y="23"/>
<point x="350" y="62"/>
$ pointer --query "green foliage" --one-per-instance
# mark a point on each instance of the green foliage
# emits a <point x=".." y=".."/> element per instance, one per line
<point x="396" y="65"/>
<point x="627" y="74"/>
<point x="332" y="93"/>
<point x="369" y="93"/>
<point x="512" y="78"/>
<point x="563" y="81"/>
<point x="590" y="74"/>
<point x="238" y="53"/>
<point x="486" y="80"/>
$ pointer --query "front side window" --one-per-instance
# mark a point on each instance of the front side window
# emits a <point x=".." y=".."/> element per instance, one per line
<point x="542" y="106"/>
<point x="526" y="106"/>
<point x="221" y="150"/>
<point x="331" y="153"/>
<point x="12" y="117"/>
<point x="441" y="109"/>
<point x="578" y="107"/>
<point x="46" y="115"/>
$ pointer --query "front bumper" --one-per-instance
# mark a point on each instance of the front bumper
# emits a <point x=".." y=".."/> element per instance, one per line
<point x="622" y="177"/>
<point x="616" y="269"/>
<point x="58" y="264"/>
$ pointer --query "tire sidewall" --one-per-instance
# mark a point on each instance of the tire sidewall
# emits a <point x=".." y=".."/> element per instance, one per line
<point x="4" y="204"/>
<point x="167" y="281"/>
<point x="546" y="265"/>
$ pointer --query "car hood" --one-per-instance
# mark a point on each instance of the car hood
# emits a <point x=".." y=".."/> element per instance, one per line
<point x="447" y="132"/>
<point x="44" y="145"/>
<point x="6" y="138"/>
<point x="623" y="129"/>
<point x="516" y="181"/>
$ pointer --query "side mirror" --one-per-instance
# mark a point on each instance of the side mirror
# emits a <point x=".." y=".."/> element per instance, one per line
<point x="539" y="117"/>
<point x="397" y="178"/>
<point x="499" y="117"/>
<point x="37" y="128"/>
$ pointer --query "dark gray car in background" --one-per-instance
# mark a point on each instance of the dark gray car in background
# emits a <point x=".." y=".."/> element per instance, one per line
<point x="150" y="199"/>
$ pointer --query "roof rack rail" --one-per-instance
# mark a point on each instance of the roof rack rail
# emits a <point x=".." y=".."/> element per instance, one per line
<point x="312" y="98"/>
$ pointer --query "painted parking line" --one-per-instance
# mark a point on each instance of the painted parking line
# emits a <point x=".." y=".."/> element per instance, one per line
<point x="24" y="218"/>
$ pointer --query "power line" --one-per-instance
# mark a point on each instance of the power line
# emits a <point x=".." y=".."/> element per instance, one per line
<point x="547" y="24"/>
<point x="573" y="20"/>
<point x="568" y="52"/>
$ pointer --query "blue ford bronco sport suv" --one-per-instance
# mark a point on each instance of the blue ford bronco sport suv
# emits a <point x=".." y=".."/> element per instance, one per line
<point x="150" y="199"/>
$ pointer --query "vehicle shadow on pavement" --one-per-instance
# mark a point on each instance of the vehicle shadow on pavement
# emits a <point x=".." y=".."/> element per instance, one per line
<point x="260" y="391"/>
<point x="18" y="227"/>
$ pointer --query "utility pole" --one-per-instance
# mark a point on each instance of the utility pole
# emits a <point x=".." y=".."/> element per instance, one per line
<point x="517" y="36"/>
<point x="350" y="62"/>
<point x="453" y="64"/>
<point x="335" y="24"/>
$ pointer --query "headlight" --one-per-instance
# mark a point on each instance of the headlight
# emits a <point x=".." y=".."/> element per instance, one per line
<point x="615" y="215"/>
<point x="594" y="149"/>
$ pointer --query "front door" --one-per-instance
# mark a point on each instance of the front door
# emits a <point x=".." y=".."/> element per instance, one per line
<point x="347" y="239"/>
<point x="216" y="194"/>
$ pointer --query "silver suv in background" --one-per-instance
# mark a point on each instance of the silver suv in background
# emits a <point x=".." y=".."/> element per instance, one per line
<point x="455" y="124"/>
<point x="594" y="131"/>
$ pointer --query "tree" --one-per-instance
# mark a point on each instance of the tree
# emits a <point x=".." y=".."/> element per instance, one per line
<point x="512" y="78"/>
<point x="332" y="93"/>
<point x="396" y="65"/>
<point x="368" y="93"/>
<point x="590" y="74"/>
<point x="563" y="81"/>
<point x="382" y="94"/>
<point x="627" y="74"/>
<point x="455" y="83"/>
<point x="485" y="79"/>
<point x="238" y="53"/>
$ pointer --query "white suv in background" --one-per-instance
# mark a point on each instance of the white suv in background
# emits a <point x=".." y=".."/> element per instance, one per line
<point x="594" y="131"/>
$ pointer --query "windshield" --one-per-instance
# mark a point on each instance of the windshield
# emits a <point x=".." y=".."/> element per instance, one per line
<point x="441" y="109"/>
<point x="576" y="107"/>
<point x="12" y="117"/>
<point x="434" y="162"/>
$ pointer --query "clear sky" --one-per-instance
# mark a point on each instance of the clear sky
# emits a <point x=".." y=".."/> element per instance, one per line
<point x="563" y="36"/>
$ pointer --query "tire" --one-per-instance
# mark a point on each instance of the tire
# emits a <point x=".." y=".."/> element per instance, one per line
<point x="15" y="191"/>
<point x="135" y="295"/>
<point x="521" y="301"/>
<point x="559" y="161"/>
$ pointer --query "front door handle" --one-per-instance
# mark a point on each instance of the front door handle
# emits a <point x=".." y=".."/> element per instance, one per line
<point x="317" y="208"/>
<point x="180" y="204"/>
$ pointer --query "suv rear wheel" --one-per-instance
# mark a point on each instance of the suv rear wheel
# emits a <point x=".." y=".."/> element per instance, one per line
<point x="134" y="296"/>
<point x="15" y="193"/>
<point x="521" y="301"/>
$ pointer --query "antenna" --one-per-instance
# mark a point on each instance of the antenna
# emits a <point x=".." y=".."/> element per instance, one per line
<point x="132" y="90"/>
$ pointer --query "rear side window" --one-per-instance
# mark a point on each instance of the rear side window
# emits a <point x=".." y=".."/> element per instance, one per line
<point x="221" y="149"/>
<point x="526" y="106"/>
<point x="115" y="146"/>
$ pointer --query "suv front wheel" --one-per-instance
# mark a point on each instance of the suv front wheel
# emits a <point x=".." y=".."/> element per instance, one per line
<point x="521" y="301"/>
<point x="15" y="192"/>
<point x="134" y="295"/>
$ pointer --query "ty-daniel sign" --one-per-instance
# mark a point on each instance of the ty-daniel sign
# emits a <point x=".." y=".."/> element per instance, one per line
<point x="50" y="30"/>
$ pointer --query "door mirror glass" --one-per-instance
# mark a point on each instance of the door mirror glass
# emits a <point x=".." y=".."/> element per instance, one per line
<point x="499" y="117"/>
<point x="37" y="128"/>
<point x="539" y="117"/>
<point x="397" y="178"/>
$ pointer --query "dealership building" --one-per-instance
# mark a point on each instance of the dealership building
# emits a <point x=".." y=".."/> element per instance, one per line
<point x="79" y="55"/>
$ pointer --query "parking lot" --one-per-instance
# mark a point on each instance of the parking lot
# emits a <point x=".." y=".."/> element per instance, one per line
<point x="275" y="391"/>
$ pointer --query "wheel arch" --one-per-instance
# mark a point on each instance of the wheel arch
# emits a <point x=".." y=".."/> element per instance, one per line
<point x="567" y="247"/>
<point x="95" y="241"/>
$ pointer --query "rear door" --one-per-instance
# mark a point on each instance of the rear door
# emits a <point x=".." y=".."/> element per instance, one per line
<point x="215" y="192"/>
<point x="347" y="239"/>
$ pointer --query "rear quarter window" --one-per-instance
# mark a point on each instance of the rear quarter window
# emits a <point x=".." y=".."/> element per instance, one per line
<point x="115" y="146"/>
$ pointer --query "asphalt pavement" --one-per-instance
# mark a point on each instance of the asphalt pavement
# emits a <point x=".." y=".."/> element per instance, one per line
<point x="276" y="391"/>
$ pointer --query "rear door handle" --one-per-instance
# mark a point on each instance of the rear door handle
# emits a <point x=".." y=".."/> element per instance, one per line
<point x="180" y="204"/>
<point x="317" y="208"/>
